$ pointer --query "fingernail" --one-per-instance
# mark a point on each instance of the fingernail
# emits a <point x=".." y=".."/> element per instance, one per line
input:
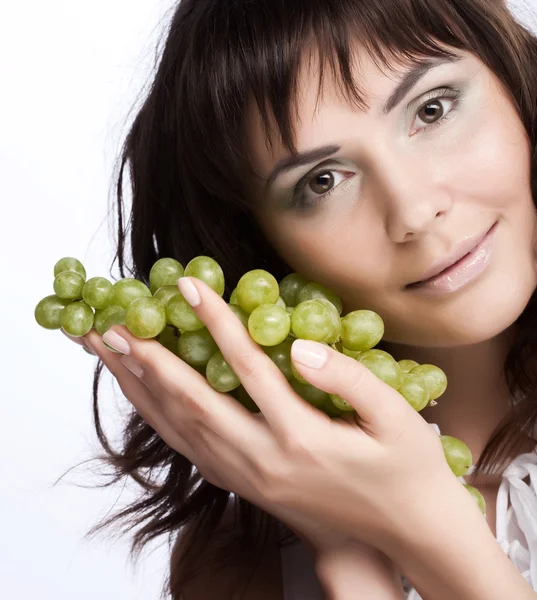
<point x="189" y="291"/>
<point x="310" y="354"/>
<point x="132" y="365"/>
<point x="116" y="342"/>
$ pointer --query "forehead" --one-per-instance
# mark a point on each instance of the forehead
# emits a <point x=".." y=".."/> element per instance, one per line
<point x="321" y="113"/>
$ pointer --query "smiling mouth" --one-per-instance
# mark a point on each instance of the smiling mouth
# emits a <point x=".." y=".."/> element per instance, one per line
<point x="449" y="266"/>
<point x="440" y="273"/>
<point x="461" y="272"/>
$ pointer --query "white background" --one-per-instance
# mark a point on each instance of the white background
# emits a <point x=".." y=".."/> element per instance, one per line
<point x="70" y="73"/>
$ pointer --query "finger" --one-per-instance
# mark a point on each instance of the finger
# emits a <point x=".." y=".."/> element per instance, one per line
<point x="80" y="341"/>
<point x="261" y="378"/>
<point x="140" y="397"/>
<point x="182" y="392"/>
<point x="376" y="403"/>
<point x="200" y="444"/>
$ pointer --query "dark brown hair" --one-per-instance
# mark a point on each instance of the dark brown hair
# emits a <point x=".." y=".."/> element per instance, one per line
<point x="188" y="166"/>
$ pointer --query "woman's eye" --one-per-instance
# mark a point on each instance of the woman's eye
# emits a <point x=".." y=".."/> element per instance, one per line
<point x="434" y="111"/>
<point x="314" y="188"/>
<point x="439" y="107"/>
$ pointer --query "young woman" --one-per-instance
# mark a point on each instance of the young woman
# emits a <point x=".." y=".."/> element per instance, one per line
<point x="387" y="150"/>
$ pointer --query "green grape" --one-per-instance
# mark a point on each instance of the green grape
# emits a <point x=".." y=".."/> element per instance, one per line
<point x="97" y="292"/>
<point x="269" y="325"/>
<point x="169" y="337"/>
<point x="281" y="357"/>
<point x="311" y="394"/>
<point x="255" y="288"/>
<point x="166" y="271"/>
<point x="166" y="292"/>
<point x="352" y="353"/>
<point x="290" y="286"/>
<point x="458" y="455"/>
<point x="242" y="315"/>
<point x="116" y="317"/>
<point x="281" y="303"/>
<point x="48" y="310"/>
<point x="313" y="291"/>
<point x="220" y="375"/>
<point x="384" y="366"/>
<point x="361" y="330"/>
<point x="312" y="320"/>
<point x="336" y="320"/>
<point x="146" y="317"/>
<point x="69" y="264"/>
<point x="414" y="391"/>
<point x="407" y="365"/>
<point x="245" y="399"/>
<point x="77" y="319"/>
<point x="330" y="409"/>
<point x="297" y="375"/>
<point x="126" y="291"/>
<point x="68" y="285"/>
<point x="196" y="347"/>
<point x="180" y="314"/>
<point x="317" y="398"/>
<point x="108" y="317"/>
<point x="233" y="297"/>
<point x="478" y="497"/>
<point x="209" y="271"/>
<point x="340" y="403"/>
<point x="290" y="309"/>
<point x="435" y="379"/>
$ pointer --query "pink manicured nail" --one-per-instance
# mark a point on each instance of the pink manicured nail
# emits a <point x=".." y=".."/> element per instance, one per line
<point x="116" y="342"/>
<point x="132" y="365"/>
<point x="310" y="354"/>
<point x="189" y="291"/>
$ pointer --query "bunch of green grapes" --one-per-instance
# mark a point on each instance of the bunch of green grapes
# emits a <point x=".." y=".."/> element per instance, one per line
<point x="274" y="313"/>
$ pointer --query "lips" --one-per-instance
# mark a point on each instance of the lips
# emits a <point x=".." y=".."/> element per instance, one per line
<point x="460" y="251"/>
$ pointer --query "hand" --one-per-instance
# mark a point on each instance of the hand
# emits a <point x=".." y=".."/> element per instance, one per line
<point x="330" y="480"/>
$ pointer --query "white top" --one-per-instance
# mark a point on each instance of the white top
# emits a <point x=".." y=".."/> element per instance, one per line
<point x="516" y="532"/>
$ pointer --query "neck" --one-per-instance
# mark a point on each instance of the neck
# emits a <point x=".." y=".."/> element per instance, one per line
<point x="476" y="399"/>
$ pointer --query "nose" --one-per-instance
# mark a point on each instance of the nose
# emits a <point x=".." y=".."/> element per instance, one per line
<point x="414" y="202"/>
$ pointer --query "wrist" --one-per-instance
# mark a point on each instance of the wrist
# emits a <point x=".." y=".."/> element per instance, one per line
<point x="449" y="551"/>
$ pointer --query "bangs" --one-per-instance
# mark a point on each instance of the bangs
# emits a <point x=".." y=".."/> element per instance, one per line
<point x="390" y="41"/>
<point x="252" y="52"/>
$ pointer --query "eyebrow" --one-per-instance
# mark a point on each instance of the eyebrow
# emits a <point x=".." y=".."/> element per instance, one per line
<point x="405" y="85"/>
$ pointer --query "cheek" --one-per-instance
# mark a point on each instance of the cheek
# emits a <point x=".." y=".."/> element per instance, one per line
<point x="347" y="256"/>
<point x="493" y="159"/>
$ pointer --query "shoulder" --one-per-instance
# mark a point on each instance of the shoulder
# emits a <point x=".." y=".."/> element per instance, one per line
<point x="264" y="583"/>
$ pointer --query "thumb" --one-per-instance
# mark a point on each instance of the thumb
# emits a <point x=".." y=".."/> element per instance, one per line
<point x="376" y="403"/>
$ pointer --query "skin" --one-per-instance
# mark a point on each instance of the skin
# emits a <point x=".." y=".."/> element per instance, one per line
<point x="403" y="197"/>
<point x="408" y="199"/>
<point x="304" y="468"/>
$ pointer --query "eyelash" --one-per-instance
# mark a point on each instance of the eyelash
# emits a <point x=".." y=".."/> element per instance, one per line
<point x="298" y="201"/>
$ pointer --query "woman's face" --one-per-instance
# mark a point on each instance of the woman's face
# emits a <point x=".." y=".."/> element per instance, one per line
<point x="404" y="189"/>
